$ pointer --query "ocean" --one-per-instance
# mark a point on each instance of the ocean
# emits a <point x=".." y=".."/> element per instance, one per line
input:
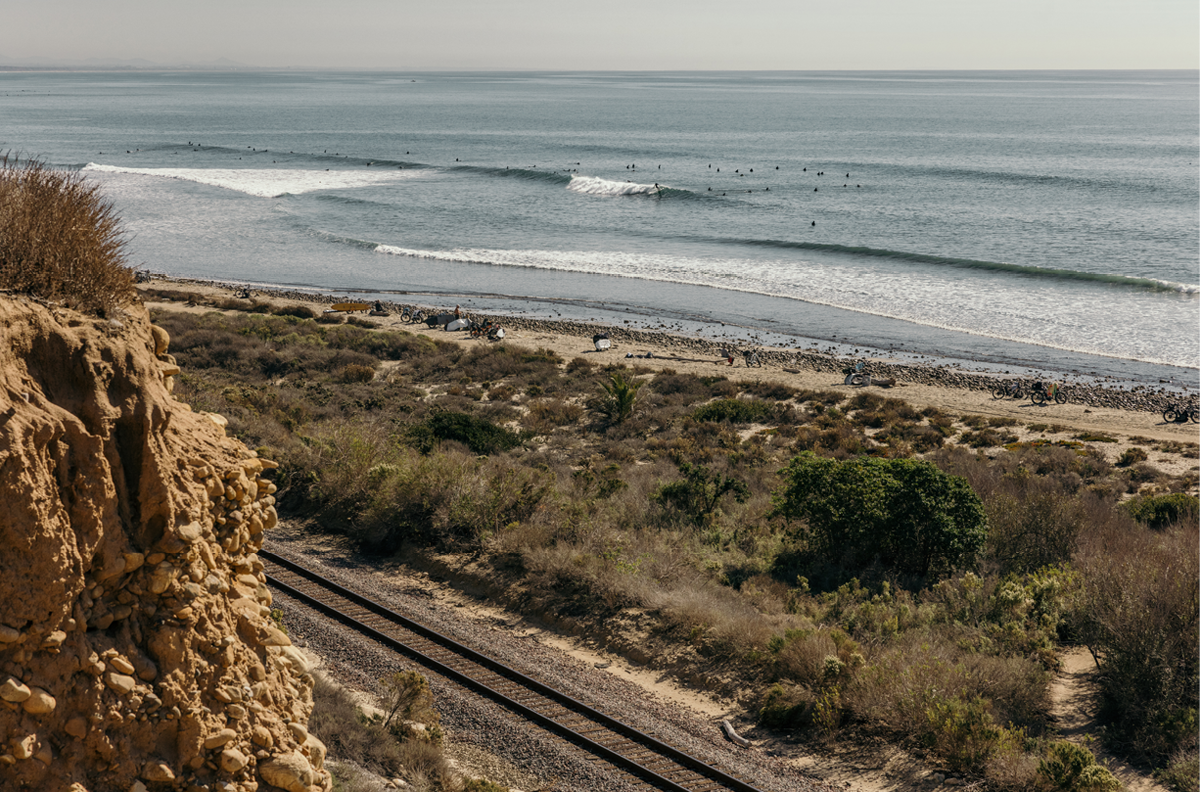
<point x="1002" y="220"/>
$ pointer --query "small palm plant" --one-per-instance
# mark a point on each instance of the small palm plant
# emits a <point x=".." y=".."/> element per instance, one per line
<point x="619" y="398"/>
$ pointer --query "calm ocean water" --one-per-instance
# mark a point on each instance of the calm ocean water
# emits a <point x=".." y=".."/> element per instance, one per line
<point x="1050" y="219"/>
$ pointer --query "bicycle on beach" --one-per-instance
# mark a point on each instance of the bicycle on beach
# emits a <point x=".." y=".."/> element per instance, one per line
<point x="1047" y="392"/>
<point x="1008" y="390"/>
<point x="1178" y="413"/>
<point x="855" y="375"/>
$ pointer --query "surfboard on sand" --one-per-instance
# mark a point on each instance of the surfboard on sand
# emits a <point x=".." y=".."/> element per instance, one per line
<point x="348" y="306"/>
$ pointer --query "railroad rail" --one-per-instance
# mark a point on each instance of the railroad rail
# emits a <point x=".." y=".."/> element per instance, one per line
<point x="655" y="763"/>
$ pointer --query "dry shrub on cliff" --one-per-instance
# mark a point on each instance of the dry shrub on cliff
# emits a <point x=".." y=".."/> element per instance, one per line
<point x="59" y="239"/>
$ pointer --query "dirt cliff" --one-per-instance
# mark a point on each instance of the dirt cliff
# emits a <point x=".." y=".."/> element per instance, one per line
<point x="137" y="651"/>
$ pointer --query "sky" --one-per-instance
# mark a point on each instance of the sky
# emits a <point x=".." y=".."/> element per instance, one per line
<point x="447" y="35"/>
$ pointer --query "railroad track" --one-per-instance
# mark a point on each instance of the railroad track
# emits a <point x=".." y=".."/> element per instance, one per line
<point x="655" y="764"/>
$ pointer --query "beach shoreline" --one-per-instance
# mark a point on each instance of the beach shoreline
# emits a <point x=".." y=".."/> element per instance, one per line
<point x="657" y="348"/>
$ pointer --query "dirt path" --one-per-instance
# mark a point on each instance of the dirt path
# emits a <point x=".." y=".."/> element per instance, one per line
<point x="1073" y="706"/>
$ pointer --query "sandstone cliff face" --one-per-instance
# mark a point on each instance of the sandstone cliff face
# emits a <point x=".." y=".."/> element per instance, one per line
<point x="137" y="650"/>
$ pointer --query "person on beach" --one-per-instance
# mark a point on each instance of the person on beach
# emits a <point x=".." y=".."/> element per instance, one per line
<point x="457" y="312"/>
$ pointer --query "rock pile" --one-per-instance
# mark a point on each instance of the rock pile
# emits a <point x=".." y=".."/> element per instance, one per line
<point x="137" y="648"/>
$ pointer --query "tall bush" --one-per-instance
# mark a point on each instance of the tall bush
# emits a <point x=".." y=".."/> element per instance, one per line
<point x="902" y="513"/>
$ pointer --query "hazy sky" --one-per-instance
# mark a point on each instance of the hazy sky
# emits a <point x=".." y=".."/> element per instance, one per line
<point x="615" y="34"/>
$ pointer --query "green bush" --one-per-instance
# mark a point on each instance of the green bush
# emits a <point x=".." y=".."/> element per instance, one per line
<point x="355" y="373"/>
<point x="1138" y="611"/>
<point x="737" y="411"/>
<point x="905" y="514"/>
<point x="1159" y="511"/>
<point x="478" y="434"/>
<point x="352" y="737"/>
<point x="406" y="694"/>
<point x="299" y="311"/>
<point x="962" y="731"/>
<point x="1068" y="767"/>
<point x="786" y="708"/>
<point x="1131" y="456"/>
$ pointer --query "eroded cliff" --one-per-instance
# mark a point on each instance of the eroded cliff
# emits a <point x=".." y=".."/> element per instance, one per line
<point x="136" y="645"/>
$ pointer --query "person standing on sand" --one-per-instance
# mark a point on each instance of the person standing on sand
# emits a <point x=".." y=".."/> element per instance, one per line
<point x="457" y="312"/>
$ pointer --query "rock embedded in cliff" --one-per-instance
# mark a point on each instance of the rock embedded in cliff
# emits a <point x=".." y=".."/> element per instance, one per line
<point x="158" y="772"/>
<point x="39" y="702"/>
<point x="14" y="690"/>
<point x="261" y="736"/>
<point x="233" y="760"/>
<point x="219" y="738"/>
<point x="120" y="665"/>
<point x="121" y="683"/>
<point x="291" y="772"/>
<point x="190" y="532"/>
<point x="23" y="747"/>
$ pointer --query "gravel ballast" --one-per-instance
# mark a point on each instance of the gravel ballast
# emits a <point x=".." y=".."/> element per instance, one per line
<point x="548" y="761"/>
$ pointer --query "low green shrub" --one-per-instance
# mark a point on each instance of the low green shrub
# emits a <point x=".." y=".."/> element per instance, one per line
<point x="962" y="731"/>
<point x="1068" y="767"/>
<point x="351" y="736"/>
<point x="769" y="389"/>
<point x="697" y="494"/>
<point x="1159" y="511"/>
<point x="408" y="701"/>
<point x="545" y="414"/>
<point x="299" y="311"/>
<point x="355" y="373"/>
<point x="478" y="434"/>
<point x="1094" y="437"/>
<point x="788" y="707"/>
<point x="826" y="398"/>
<point x="1137" y="609"/>
<point x="737" y="411"/>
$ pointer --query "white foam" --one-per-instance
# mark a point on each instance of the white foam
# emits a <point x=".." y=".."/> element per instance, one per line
<point x="593" y="185"/>
<point x="1036" y="313"/>
<point x="269" y="183"/>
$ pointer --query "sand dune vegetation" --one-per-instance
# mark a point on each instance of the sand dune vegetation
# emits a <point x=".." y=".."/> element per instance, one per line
<point x="750" y="523"/>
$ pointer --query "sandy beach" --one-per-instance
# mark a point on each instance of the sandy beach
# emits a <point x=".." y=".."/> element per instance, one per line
<point x="1125" y="417"/>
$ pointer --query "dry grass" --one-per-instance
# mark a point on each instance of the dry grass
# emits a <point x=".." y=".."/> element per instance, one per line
<point x="570" y="519"/>
<point x="352" y="736"/>
<point x="59" y="239"/>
